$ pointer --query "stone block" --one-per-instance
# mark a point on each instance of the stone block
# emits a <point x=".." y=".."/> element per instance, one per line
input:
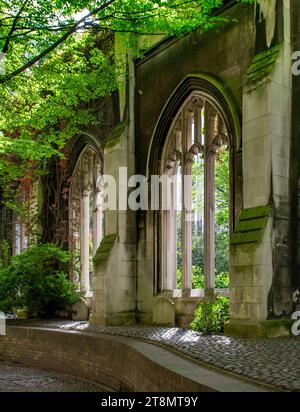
<point x="256" y="103"/>
<point x="257" y="166"/>
<point x="256" y="147"/>
<point x="248" y="311"/>
<point x="256" y="129"/>
<point x="280" y="146"/>
<point x="260" y="329"/>
<point x="164" y="312"/>
<point x="281" y="164"/>
<point x="255" y="294"/>
<point x="257" y="190"/>
<point x="241" y="276"/>
<point x="80" y="310"/>
<point x="262" y="275"/>
<point x="280" y="185"/>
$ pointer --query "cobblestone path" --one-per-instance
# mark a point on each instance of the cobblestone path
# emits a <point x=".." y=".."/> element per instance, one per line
<point x="274" y="362"/>
<point x="16" y="378"/>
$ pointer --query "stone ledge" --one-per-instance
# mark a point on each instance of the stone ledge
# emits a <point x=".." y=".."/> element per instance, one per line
<point x="120" y="363"/>
<point x="105" y="248"/>
<point x="263" y="64"/>
<point x="119" y="319"/>
<point x="115" y="137"/>
<point x="251" y="226"/>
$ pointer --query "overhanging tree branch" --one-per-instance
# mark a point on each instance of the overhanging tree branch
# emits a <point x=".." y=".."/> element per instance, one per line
<point x="57" y="43"/>
<point x="13" y="27"/>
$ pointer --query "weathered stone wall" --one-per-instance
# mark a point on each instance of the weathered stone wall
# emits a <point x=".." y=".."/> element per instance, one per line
<point x="251" y="59"/>
<point x="114" y="301"/>
<point x="295" y="164"/>
<point x="261" y="273"/>
<point x="225" y="56"/>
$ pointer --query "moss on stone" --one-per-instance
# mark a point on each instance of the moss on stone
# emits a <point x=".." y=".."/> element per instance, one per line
<point x="115" y="136"/>
<point x="247" y="237"/>
<point x="109" y="239"/>
<point x="105" y="248"/>
<point x="263" y="64"/>
<point x="251" y="225"/>
<point x="256" y="212"/>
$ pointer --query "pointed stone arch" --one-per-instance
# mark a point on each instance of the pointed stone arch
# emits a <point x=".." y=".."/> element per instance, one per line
<point x="193" y="89"/>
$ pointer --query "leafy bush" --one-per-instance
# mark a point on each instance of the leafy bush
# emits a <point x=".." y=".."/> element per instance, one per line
<point x="35" y="279"/>
<point x="221" y="282"/>
<point x="198" y="278"/>
<point x="210" y="316"/>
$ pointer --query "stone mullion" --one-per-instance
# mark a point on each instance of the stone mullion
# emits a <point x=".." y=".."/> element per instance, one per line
<point x="172" y="256"/>
<point x="164" y="255"/>
<point x="98" y="231"/>
<point x="179" y="148"/>
<point x="16" y="235"/>
<point x="198" y="124"/>
<point x="23" y="235"/>
<point x="84" y="242"/>
<point x="178" y="139"/>
<point x="209" y="203"/>
<point x="169" y="236"/>
<point x="74" y="236"/>
<point x="186" y="209"/>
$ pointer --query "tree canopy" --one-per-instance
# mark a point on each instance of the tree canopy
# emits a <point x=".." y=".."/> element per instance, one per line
<point x="30" y="30"/>
<point x="60" y="60"/>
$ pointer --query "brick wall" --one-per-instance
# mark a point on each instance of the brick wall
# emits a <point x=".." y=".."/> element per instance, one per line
<point x="100" y="358"/>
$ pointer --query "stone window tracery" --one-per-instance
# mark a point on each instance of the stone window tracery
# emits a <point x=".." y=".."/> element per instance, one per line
<point x="197" y="139"/>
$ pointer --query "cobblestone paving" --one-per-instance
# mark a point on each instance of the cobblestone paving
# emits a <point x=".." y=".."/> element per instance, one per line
<point x="16" y="378"/>
<point x="274" y="362"/>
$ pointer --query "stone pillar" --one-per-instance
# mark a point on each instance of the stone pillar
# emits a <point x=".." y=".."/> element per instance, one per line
<point x="209" y="228"/>
<point x="187" y="206"/>
<point x="115" y="263"/>
<point x="98" y="222"/>
<point x="260" y="274"/>
<point x="84" y="243"/>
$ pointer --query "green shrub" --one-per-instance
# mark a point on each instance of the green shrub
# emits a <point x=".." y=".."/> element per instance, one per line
<point x="197" y="278"/>
<point x="210" y="316"/>
<point x="36" y="279"/>
<point x="222" y="279"/>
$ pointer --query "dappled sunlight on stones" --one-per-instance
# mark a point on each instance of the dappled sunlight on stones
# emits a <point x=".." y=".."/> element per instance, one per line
<point x="169" y="334"/>
<point x="190" y="337"/>
<point x="270" y="361"/>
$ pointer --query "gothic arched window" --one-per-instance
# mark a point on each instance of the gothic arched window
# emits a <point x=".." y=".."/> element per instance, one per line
<point x="86" y="217"/>
<point x="195" y="206"/>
